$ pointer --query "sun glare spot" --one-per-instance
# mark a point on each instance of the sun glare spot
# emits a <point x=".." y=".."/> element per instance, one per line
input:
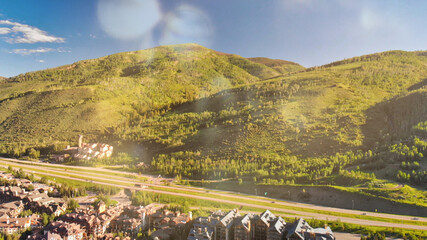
<point x="128" y="19"/>
<point x="187" y="24"/>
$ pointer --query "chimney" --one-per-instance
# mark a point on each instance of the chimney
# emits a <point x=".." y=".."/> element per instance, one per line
<point x="80" y="140"/>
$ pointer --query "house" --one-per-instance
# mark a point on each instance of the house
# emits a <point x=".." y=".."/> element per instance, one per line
<point x="42" y="203"/>
<point x="9" y="194"/>
<point x="13" y="209"/>
<point x="23" y="183"/>
<point x="179" y="220"/>
<point x="67" y="231"/>
<point x="6" y="176"/>
<point x="45" y="236"/>
<point x="10" y="225"/>
<point x="125" y="223"/>
<point x="42" y="187"/>
<point x="87" y="151"/>
<point x="162" y="234"/>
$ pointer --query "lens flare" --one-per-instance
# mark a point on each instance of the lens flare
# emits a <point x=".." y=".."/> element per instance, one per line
<point x="187" y="24"/>
<point x="128" y="19"/>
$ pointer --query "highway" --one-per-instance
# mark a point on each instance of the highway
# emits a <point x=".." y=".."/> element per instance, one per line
<point x="263" y="203"/>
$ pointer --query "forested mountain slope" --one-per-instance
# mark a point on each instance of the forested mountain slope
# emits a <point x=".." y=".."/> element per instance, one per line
<point x="204" y="114"/>
<point x="295" y="125"/>
<point x="93" y="96"/>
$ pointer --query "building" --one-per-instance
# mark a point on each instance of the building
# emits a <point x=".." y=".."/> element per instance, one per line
<point x="6" y="176"/>
<point x="200" y="234"/>
<point x="67" y="231"/>
<point x="224" y="229"/>
<point x="243" y="228"/>
<point x="84" y="151"/>
<point x="12" y="209"/>
<point x="42" y="203"/>
<point x="10" y="225"/>
<point x="277" y="229"/>
<point x="301" y="230"/>
<point x="262" y="224"/>
<point x="203" y="228"/>
<point x="46" y="236"/>
<point x="95" y="224"/>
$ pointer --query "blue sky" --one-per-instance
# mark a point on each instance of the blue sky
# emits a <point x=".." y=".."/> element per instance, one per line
<point x="40" y="34"/>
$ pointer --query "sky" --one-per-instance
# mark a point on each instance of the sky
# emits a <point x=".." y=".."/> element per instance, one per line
<point x="40" y="34"/>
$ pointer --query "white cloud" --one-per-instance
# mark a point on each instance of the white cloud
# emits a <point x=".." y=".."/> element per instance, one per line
<point x="24" y="51"/>
<point x="40" y="61"/>
<point x="4" y="30"/>
<point x="63" y="50"/>
<point x="23" y="33"/>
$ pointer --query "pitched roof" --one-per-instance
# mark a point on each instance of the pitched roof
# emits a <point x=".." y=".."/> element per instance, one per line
<point x="298" y="227"/>
<point x="267" y="216"/>
<point x="278" y="225"/>
<point x="245" y="221"/>
<point x="228" y="218"/>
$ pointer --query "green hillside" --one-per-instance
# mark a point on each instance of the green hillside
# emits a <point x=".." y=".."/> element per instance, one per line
<point x="92" y="96"/>
<point x="279" y="65"/>
<point x="203" y="114"/>
<point x="292" y="126"/>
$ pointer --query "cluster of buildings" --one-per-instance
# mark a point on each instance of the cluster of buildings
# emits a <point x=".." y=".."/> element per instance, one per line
<point x="82" y="224"/>
<point x="85" y="151"/>
<point x="101" y="222"/>
<point x="15" y="199"/>
<point x="266" y="226"/>
<point x="168" y="224"/>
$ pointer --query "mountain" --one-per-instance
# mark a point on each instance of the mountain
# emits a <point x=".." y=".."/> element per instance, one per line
<point x="299" y="127"/>
<point x="92" y="96"/>
<point x="199" y="113"/>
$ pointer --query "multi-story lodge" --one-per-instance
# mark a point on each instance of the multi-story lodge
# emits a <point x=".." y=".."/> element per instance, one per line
<point x="253" y="227"/>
